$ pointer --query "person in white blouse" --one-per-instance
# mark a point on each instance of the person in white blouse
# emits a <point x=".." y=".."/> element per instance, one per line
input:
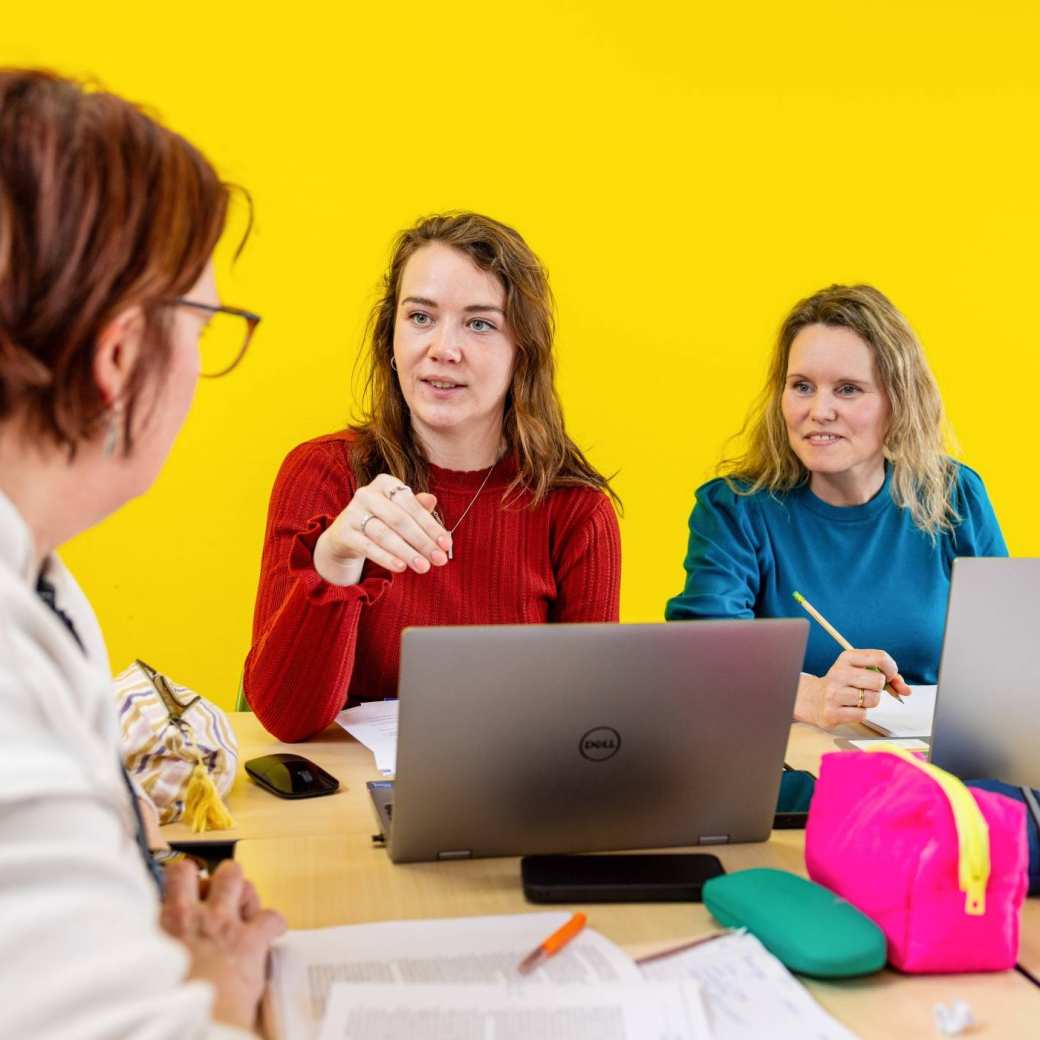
<point x="108" y="222"/>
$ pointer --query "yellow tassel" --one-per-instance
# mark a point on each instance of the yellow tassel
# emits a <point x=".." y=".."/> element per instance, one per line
<point x="203" y="808"/>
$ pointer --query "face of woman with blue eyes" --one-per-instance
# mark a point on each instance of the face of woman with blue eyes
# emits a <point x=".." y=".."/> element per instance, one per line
<point x="453" y="349"/>
<point x="834" y="406"/>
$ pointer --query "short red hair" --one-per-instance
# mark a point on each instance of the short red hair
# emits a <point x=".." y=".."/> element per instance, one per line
<point x="101" y="209"/>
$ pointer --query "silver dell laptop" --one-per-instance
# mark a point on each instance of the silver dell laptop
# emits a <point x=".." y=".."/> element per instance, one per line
<point x="987" y="706"/>
<point x="520" y="739"/>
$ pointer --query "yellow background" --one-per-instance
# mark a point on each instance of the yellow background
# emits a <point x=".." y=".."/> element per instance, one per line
<point x="685" y="172"/>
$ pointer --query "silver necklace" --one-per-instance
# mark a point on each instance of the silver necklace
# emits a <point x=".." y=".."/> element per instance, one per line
<point x="452" y="530"/>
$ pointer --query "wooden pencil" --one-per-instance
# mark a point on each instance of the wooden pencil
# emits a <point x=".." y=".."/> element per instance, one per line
<point x="836" y="635"/>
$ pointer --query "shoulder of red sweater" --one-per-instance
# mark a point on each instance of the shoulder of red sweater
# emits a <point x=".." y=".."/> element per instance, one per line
<point x="345" y="437"/>
<point x="326" y="455"/>
<point x="335" y="444"/>
<point x="580" y="501"/>
<point x="577" y="492"/>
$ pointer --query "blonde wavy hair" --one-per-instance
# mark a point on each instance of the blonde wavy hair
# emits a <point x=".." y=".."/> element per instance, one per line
<point x="923" y="474"/>
<point x="533" y="424"/>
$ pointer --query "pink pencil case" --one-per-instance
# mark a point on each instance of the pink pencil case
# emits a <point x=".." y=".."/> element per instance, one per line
<point x="941" y="868"/>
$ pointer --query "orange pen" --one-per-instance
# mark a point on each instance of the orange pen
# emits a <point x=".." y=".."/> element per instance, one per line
<point x="556" y="942"/>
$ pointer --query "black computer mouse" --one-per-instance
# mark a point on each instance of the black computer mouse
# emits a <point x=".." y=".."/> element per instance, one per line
<point x="291" y="776"/>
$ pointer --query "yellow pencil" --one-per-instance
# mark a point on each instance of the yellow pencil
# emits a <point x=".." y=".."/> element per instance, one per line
<point x="837" y="636"/>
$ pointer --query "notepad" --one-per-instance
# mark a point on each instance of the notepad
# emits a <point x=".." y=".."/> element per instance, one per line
<point x="305" y="965"/>
<point x="747" y="993"/>
<point x="375" y="725"/>
<point x="909" y="743"/>
<point x="645" y="1011"/>
<point x="912" y="718"/>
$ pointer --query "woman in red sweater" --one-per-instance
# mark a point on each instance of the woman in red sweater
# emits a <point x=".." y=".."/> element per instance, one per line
<point x="459" y="500"/>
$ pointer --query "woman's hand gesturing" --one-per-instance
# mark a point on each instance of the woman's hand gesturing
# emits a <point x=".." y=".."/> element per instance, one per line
<point x="387" y="523"/>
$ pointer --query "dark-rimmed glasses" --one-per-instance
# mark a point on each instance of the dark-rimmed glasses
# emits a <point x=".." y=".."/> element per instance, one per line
<point x="224" y="340"/>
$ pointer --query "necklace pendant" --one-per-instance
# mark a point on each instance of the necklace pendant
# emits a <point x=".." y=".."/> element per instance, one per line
<point x="440" y="519"/>
<point x="452" y="530"/>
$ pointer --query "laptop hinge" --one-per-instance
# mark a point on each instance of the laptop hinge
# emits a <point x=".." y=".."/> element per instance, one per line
<point x="713" y="839"/>
<point x="456" y="854"/>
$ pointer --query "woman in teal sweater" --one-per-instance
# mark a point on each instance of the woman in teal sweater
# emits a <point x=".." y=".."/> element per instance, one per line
<point x="846" y="494"/>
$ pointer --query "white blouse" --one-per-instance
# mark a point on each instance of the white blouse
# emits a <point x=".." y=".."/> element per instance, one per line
<point x="81" y="952"/>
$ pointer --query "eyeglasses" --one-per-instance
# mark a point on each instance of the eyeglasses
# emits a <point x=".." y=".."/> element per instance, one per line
<point x="225" y="336"/>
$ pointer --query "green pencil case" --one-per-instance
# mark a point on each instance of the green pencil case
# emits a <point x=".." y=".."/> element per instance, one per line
<point x="806" y="926"/>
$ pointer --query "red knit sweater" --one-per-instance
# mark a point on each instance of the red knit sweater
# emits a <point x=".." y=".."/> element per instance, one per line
<point x="316" y="644"/>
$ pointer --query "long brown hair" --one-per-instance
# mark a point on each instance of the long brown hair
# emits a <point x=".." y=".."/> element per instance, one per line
<point x="923" y="475"/>
<point x="533" y="425"/>
<point x="101" y="209"/>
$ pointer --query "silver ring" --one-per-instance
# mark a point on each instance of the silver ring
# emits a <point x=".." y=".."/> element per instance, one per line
<point x="400" y="487"/>
<point x="368" y="516"/>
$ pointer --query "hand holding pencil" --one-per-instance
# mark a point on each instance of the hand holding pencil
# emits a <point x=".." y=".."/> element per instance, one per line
<point x="853" y="684"/>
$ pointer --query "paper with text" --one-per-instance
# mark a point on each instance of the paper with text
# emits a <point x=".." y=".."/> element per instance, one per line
<point x="747" y="993"/>
<point x="647" y="1011"/>
<point x="306" y="964"/>
<point x="912" y="718"/>
<point x="375" y="725"/>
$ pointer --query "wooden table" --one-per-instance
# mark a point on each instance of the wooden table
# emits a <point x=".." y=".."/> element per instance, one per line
<point x="1029" y="951"/>
<point x="315" y="861"/>
<point x="258" y="814"/>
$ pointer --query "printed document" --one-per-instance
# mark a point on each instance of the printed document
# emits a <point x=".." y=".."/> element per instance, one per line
<point x="375" y="725"/>
<point x="306" y="964"/>
<point x="647" y="1011"/>
<point x="747" y="993"/>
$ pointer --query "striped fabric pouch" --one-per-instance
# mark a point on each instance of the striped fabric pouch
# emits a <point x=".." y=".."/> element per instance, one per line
<point x="177" y="747"/>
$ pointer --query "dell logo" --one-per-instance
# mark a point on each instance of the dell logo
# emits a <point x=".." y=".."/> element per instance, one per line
<point x="600" y="743"/>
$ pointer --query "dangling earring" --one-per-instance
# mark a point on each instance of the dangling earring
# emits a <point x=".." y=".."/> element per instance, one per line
<point x="113" y="433"/>
<point x="393" y="363"/>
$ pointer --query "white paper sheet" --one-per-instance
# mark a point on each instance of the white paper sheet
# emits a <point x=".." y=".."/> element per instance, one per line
<point x="912" y="718"/>
<point x="375" y="725"/>
<point x="748" y="994"/>
<point x="909" y="743"/>
<point x="306" y="964"/>
<point x="660" y="1011"/>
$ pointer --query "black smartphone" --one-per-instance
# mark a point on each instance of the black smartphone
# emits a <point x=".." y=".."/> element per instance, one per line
<point x="291" y="776"/>
<point x="790" y="821"/>
<point x="671" y="877"/>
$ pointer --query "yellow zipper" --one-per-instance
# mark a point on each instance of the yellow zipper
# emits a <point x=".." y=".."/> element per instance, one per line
<point x="972" y="830"/>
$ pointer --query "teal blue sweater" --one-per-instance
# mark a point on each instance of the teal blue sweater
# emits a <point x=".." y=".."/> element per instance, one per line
<point x="880" y="580"/>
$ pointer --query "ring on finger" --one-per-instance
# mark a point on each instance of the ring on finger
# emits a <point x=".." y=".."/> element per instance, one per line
<point x="368" y="517"/>
<point x="859" y="703"/>
<point x="400" y="487"/>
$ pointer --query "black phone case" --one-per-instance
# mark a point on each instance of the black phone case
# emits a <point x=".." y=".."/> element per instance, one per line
<point x="637" y="890"/>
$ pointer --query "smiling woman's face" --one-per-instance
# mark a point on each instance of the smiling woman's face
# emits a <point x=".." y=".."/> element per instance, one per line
<point x="452" y="346"/>
<point x="834" y="406"/>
